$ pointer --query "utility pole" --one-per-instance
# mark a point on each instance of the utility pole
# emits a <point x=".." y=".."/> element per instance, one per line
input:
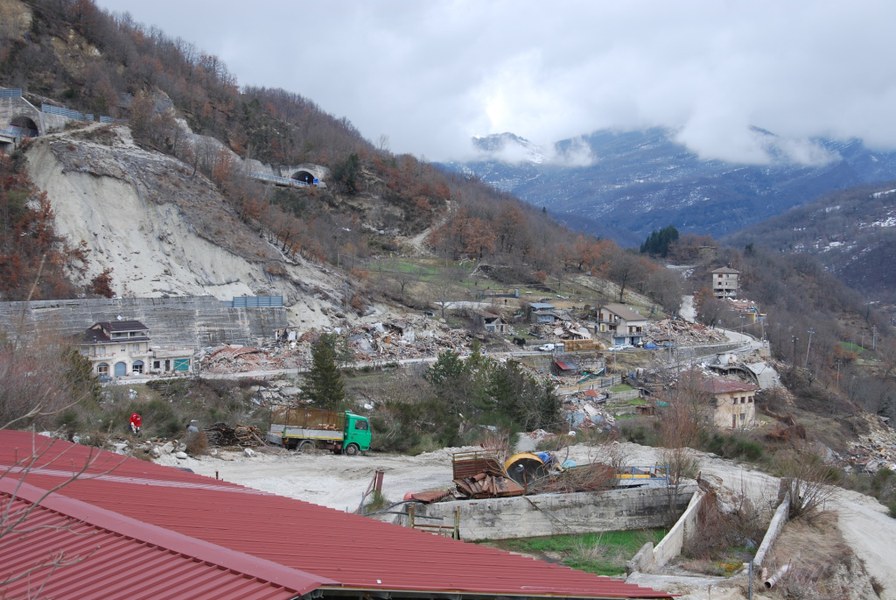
<point x="811" y="332"/>
<point x="874" y="338"/>
<point x="794" y="339"/>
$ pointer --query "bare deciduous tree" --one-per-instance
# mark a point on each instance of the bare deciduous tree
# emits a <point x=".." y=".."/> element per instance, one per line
<point x="682" y="423"/>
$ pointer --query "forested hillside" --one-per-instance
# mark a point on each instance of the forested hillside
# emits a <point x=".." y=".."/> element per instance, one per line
<point x="852" y="233"/>
<point x="71" y="53"/>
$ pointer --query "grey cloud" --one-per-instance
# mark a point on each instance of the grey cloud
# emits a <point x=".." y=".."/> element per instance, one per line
<point x="430" y="75"/>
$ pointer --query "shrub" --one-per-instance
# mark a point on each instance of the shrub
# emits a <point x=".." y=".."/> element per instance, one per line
<point x="197" y="443"/>
<point x="376" y="501"/>
<point x="733" y="446"/>
<point x="96" y="439"/>
<point x="640" y="431"/>
<point x="158" y="417"/>
<point x="69" y="421"/>
<point x="809" y="483"/>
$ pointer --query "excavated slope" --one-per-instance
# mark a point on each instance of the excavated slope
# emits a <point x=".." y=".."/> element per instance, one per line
<point x="163" y="230"/>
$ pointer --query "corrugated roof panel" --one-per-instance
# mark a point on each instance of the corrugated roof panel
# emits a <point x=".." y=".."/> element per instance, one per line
<point x="86" y="562"/>
<point x="344" y="551"/>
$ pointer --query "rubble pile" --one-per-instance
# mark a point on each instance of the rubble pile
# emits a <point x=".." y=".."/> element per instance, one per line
<point x="874" y="450"/>
<point x="376" y="342"/>
<point x="682" y="333"/>
<point x="571" y="330"/>
<point x="488" y="485"/>
<point x="243" y="359"/>
<point x="481" y="475"/>
<point x="222" y="434"/>
<point x="587" y="411"/>
<point x="404" y="339"/>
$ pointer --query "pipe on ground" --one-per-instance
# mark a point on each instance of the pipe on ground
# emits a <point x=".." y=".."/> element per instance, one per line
<point x="778" y="575"/>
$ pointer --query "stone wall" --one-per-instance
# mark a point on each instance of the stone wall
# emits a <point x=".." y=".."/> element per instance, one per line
<point x="181" y="322"/>
<point x="552" y="514"/>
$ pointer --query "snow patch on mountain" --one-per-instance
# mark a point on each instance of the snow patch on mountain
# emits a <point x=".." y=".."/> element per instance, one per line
<point x="511" y="149"/>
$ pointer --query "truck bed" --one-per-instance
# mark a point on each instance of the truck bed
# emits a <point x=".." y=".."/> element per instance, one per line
<point x="279" y="433"/>
<point x="310" y="418"/>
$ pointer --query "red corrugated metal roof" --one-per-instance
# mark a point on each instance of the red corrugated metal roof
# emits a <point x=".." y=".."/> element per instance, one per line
<point x="720" y="385"/>
<point x="53" y="554"/>
<point x="338" y="550"/>
<point x="565" y="366"/>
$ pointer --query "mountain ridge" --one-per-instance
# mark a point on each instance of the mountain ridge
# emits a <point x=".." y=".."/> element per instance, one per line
<point x="640" y="181"/>
<point x="851" y="232"/>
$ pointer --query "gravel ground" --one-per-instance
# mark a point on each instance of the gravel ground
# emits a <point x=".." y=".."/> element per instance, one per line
<point x="339" y="482"/>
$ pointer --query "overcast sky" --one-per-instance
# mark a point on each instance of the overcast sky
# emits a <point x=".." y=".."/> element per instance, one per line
<point x="429" y="75"/>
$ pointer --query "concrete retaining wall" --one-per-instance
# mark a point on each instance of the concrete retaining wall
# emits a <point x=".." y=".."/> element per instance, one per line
<point x="683" y="530"/>
<point x="552" y="514"/>
<point x="774" y="530"/>
<point x="686" y="352"/>
<point x="182" y="322"/>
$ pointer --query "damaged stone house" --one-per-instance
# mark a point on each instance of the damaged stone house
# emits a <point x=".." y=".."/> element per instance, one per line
<point x="734" y="401"/>
<point x="493" y="323"/>
<point x="122" y="347"/>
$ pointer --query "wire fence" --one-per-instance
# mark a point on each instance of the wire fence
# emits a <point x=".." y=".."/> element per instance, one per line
<point x="257" y="302"/>
<point x="65" y="112"/>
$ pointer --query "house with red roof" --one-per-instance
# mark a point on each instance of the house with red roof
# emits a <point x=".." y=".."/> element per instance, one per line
<point x="78" y="522"/>
<point x="735" y="401"/>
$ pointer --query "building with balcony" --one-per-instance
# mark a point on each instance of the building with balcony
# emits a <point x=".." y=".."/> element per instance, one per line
<point x="122" y="348"/>
<point x="117" y="348"/>
<point x="624" y="326"/>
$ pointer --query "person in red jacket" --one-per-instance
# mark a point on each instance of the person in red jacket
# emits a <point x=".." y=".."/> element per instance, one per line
<point x="136" y="423"/>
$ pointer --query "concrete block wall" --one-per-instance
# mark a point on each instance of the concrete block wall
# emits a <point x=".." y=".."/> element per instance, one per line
<point x="181" y="322"/>
<point x="552" y="514"/>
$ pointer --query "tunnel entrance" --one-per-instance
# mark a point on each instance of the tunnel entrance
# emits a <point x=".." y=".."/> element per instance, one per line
<point x="24" y="126"/>
<point x="303" y="176"/>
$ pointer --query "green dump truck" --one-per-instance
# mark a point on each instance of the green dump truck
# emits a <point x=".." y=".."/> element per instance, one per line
<point x="302" y="429"/>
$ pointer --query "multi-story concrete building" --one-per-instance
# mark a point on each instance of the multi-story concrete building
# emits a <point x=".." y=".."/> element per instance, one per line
<point x="724" y="282"/>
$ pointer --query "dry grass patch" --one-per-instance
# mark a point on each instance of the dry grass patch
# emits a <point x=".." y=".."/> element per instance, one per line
<point x="822" y="565"/>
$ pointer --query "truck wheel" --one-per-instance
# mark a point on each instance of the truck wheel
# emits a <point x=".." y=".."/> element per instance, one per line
<point x="351" y="450"/>
<point x="305" y="446"/>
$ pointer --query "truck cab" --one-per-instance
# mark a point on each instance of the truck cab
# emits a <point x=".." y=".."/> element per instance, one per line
<point x="357" y="434"/>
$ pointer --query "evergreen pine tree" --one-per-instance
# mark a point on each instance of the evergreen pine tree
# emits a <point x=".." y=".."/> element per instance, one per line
<point x="324" y="385"/>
